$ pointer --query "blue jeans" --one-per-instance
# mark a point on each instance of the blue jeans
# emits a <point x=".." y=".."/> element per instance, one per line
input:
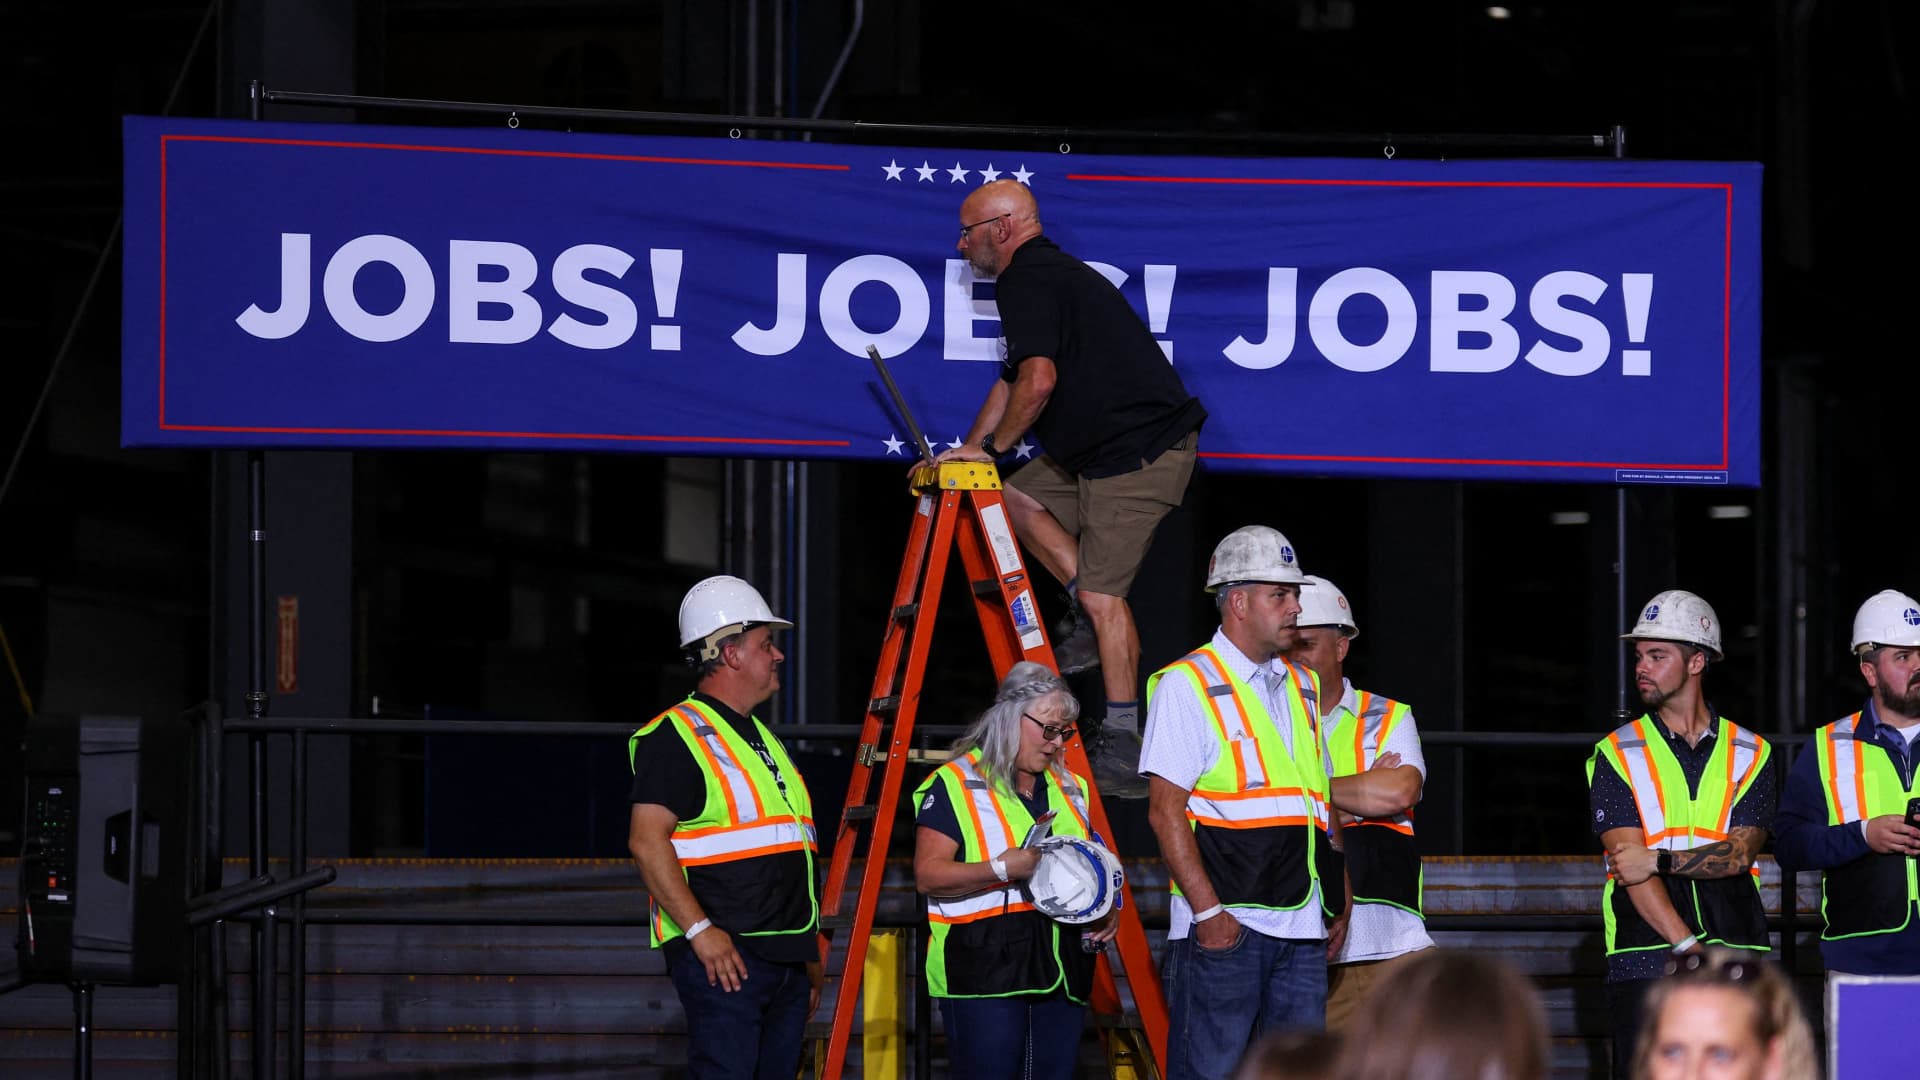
<point x="753" y="1033"/>
<point x="1012" y="1038"/>
<point x="1220" y="1000"/>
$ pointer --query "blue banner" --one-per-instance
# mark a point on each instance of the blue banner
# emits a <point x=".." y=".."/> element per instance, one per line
<point x="304" y="285"/>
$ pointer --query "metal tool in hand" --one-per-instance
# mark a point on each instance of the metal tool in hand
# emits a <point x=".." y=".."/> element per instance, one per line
<point x="920" y="442"/>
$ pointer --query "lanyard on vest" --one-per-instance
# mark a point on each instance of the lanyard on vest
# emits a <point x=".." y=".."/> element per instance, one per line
<point x="749" y="829"/>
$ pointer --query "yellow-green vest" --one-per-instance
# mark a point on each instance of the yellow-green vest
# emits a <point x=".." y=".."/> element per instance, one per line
<point x="1719" y="911"/>
<point x="746" y="817"/>
<point x="1259" y="814"/>
<point x="994" y="943"/>
<point x="1382" y="861"/>
<point x="1875" y="893"/>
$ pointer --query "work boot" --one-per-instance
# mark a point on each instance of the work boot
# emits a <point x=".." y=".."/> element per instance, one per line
<point x="1075" y="649"/>
<point x="1115" y="755"/>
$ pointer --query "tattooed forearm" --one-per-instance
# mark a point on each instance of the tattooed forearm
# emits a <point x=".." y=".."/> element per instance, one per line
<point x="1722" y="859"/>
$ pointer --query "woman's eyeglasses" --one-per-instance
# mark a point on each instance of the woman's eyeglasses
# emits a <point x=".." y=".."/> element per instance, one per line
<point x="1062" y="733"/>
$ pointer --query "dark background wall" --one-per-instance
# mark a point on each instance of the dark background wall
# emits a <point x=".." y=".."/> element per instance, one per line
<point x="544" y="586"/>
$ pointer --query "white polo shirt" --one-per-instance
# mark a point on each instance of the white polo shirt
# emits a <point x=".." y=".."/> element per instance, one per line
<point x="1381" y="931"/>
<point x="1180" y="745"/>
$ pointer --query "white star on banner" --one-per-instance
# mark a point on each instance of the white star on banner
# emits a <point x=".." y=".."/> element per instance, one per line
<point x="894" y="169"/>
<point x="959" y="174"/>
<point x="955" y="444"/>
<point x="1024" y="449"/>
<point x="989" y="174"/>
<point x="926" y="171"/>
<point x="1021" y="174"/>
<point x="892" y="444"/>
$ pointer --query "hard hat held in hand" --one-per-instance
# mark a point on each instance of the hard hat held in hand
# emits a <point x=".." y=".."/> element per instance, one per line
<point x="719" y="607"/>
<point x="1887" y="618"/>
<point x="1253" y="553"/>
<point x="1077" y="881"/>
<point x="1323" y="604"/>
<point x="1678" y="615"/>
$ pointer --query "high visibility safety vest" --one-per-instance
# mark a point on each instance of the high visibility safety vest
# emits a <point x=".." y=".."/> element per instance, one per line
<point x="747" y="818"/>
<point x="1259" y="814"/>
<point x="994" y="943"/>
<point x="1382" y="861"/>
<point x="1718" y="911"/>
<point x="1875" y="893"/>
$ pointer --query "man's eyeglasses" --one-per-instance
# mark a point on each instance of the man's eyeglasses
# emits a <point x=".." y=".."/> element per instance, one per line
<point x="987" y="221"/>
<point x="1702" y="966"/>
<point x="1062" y="733"/>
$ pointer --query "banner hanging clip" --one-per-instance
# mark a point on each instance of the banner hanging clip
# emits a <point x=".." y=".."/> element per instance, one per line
<point x="1388" y="150"/>
<point x="513" y="119"/>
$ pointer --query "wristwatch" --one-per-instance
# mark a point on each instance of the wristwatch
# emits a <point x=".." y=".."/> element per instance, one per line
<point x="1663" y="863"/>
<point x="987" y="447"/>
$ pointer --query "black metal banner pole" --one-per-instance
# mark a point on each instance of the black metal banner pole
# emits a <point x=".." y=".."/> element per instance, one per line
<point x="82" y="1031"/>
<point x="219" y="1042"/>
<point x="297" y="932"/>
<point x="1065" y="135"/>
<point x="261" y="932"/>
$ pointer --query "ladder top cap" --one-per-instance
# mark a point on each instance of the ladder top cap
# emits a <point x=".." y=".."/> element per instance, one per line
<point x="956" y="476"/>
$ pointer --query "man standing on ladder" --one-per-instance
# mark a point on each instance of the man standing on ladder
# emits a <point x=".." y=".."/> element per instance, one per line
<point x="1379" y="770"/>
<point x="722" y="830"/>
<point x="1681" y="801"/>
<point x="1082" y="372"/>
<point x="1239" y="783"/>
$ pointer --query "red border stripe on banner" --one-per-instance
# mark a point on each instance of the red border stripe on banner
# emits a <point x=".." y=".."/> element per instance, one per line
<point x="1726" y="310"/>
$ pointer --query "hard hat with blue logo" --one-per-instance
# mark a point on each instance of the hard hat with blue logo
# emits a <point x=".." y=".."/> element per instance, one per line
<point x="1076" y="881"/>
<point x="1888" y="617"/>
<point x="1678" y="615"/>
<point x="1250" y="554"/>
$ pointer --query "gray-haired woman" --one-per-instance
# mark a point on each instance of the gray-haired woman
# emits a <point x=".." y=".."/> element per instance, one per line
<point x="1012" y="983"/>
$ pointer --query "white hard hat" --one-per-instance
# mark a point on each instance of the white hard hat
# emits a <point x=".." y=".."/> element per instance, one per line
<point x="1323" y="604"/>
<point x="719" y="607"/>
<point x="1678" y="615"/>
<point x="1076" y="881"/>
<point x="1253" y="553"/>
<point x="1887" y="618"/>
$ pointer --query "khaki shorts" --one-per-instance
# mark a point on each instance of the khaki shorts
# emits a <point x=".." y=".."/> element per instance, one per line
<point x="1112" y="517"/>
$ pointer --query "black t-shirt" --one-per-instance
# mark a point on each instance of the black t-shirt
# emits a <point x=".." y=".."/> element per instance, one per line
<point x="1116" y="400"/>
<point x="666" y="774"/>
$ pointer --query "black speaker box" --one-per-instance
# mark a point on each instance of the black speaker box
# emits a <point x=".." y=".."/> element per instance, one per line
<point x="103" y="869"/>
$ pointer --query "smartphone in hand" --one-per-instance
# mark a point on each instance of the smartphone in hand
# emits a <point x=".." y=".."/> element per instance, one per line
<point x="1913" y="813"/>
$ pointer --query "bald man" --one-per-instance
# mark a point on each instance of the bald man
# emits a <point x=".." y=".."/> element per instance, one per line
<point x="1082" y="372"/>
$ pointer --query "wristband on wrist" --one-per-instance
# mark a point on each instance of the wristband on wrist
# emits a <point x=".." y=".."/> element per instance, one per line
<point x="1663" y="863"/>
<point x="698" y="928"/>
<point x="1203" y="916"/>
<point x="999" y="867"/>
<point x="987" y="447"/>
<point x="1685" y="943"/>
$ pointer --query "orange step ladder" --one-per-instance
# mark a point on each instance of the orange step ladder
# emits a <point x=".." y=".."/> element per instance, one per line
<point x="960" y="504"/>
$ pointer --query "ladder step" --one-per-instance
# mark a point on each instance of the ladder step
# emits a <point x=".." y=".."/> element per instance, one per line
<point x="906" y="613"/>
<point x="989" y="587"/>
<point x="836" y="922"/>
<point x="864" y="812"/>
<point x="885" y="706"/>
